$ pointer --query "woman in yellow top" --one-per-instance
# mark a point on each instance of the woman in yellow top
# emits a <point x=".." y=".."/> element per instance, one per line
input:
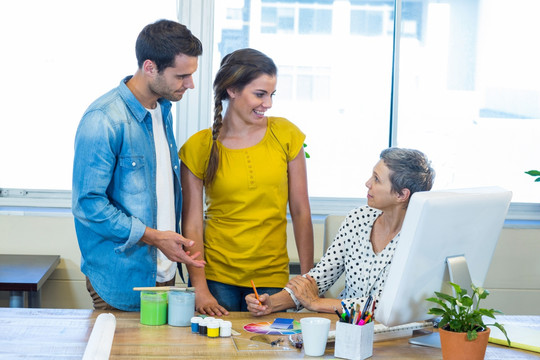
<point x="249" y="166"/>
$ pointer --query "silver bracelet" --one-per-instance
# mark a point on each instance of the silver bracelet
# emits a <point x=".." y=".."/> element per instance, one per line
<point x="296" y="302"/>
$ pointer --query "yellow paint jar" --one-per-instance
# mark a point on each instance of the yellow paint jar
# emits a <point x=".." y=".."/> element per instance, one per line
<point x="212" y="329"/>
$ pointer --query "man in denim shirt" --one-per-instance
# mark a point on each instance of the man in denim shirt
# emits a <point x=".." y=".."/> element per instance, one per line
<point x="126" y="180"/>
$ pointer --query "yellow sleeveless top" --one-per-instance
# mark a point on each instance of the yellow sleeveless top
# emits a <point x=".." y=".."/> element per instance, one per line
<point x="245" y="232"/>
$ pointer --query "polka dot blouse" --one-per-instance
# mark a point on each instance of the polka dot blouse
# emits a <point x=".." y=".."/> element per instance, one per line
<point x="351" y="252"/>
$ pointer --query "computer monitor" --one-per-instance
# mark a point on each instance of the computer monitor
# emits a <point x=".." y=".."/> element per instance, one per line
<point x="445" y="236"/>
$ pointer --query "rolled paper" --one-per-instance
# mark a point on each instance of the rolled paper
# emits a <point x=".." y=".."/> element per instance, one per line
<point x="101" y="339"/>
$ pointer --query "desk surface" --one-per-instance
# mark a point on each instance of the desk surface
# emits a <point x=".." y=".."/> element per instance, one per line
<point x="26" y="272"/>
<point x="63" y="333"/>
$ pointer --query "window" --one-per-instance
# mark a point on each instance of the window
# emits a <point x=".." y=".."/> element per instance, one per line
<point x="277" y="20"/>
<point x="469" y="94"/>
<point x="294" y="17"/>
<point x="58" y="57"/>
<point x="368" y="22"/>
<point x="314" y="21"/>
<point x="454" y="101"/>
<point x="465" y="89"/>
<point x="370" y="18"/>
<point x="303" y="83"/>
<point x="336" y="88"/>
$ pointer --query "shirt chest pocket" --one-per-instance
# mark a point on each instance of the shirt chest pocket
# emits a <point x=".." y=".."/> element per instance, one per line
<point x="132" y="174"/>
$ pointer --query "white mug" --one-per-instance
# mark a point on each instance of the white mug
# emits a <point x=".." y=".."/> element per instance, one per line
<point x="314" y="334"/>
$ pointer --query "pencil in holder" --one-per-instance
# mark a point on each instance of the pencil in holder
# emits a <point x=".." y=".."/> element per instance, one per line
<point x="354" y="341"/>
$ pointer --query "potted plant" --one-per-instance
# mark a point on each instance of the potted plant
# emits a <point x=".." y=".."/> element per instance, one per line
<point x="462" y="330"/>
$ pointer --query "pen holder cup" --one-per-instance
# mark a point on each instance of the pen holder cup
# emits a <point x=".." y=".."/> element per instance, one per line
<point x="354" y="341"/>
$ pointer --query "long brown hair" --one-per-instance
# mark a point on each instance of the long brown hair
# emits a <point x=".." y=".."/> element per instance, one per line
<point x="237" y="69"/>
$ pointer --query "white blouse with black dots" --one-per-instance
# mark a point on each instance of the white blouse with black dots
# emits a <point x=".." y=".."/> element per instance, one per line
<point x="352" y="252"/>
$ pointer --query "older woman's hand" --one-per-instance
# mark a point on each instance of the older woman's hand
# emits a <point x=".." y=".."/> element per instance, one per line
<point x="305" y="290"/>
<point x="253" y="306"/>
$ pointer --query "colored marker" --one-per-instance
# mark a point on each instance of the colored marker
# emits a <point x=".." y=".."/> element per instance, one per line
<point x="255" y="291"/>
<point x="345" y="308"/>
<point x="337" y="313"/>
<point x="366" y="307"/>
<point x="357" y="316"/>
<point x="368" y="318"/>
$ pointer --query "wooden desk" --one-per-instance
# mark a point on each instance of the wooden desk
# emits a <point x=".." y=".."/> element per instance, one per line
<point x="20" y="274"/>
<point x="63" y="333"/>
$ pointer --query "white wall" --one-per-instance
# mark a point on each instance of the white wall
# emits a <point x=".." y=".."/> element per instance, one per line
<point x="513" y="278"/>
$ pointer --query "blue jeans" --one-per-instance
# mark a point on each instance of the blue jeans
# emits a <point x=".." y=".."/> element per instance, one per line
<point x="232" y="297"/>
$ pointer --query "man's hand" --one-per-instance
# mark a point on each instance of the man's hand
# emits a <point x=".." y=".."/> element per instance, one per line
<point x="171" y="244"/>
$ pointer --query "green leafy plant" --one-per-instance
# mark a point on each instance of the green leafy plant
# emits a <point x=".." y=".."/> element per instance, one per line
<point x="462" y="313"/>
<point x="305" y="152"/>
<point x="534" y="173"/>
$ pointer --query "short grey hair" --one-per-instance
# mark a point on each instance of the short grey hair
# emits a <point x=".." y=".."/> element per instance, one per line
<point x="409" y="169"/>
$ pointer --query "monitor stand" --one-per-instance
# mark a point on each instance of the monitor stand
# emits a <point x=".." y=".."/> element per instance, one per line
<point x="459" y="274"/>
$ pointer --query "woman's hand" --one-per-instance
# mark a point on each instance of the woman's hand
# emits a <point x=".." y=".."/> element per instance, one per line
<point x="256" y="308"/>
<point x="306" y="291"/>
<point x="207" y="304"/>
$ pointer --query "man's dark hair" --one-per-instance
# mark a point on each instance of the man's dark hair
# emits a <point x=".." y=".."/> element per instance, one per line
<point x="162" y="41"/>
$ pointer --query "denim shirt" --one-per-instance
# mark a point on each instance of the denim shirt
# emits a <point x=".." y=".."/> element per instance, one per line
<point x="114" y="194"/>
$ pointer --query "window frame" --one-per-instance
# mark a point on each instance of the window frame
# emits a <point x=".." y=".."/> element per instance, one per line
<point x="194" y="111"/>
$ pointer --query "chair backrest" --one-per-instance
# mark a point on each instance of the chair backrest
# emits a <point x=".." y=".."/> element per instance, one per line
<point x="331" y="227"/>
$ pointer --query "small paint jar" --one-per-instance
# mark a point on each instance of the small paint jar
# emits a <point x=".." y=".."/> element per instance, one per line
<point x="181" y="307"/>
<point x="213" y="329"/>
<point x="195" y="323"/>
<point x="203" y="327"/>
<point x="153" y="307"/>
<point x="225" y="328"/>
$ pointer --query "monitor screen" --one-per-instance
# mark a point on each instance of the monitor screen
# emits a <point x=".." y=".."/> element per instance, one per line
<point x="438" y="225"/>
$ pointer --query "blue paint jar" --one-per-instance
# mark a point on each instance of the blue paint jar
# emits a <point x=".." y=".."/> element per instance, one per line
<point x="195" y="324"/>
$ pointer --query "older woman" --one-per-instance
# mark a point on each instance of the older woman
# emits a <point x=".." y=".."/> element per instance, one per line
<point x="365" y="244"/>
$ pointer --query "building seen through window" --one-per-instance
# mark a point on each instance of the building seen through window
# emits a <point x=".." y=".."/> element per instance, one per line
<point x="463" y="87"/>
<point x="454" y="102"/>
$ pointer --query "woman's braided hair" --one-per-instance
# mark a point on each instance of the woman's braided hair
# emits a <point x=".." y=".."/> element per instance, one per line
<point x="237" y="69"/>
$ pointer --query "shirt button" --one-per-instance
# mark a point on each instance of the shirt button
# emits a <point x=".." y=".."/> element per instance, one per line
<point x="175" y="167"/>
<point x="133" y="163"/>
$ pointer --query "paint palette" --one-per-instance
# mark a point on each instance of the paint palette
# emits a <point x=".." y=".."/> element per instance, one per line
<point x="266" y="328"/>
